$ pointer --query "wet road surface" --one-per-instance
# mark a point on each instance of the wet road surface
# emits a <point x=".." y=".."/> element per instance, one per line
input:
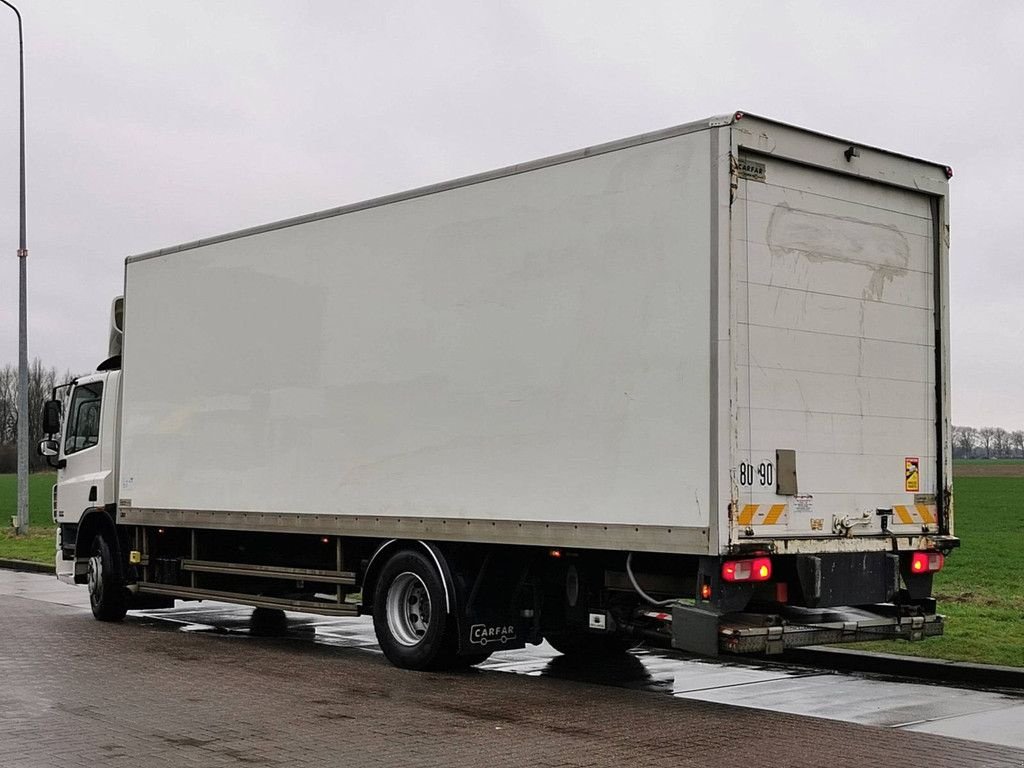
<point x="656" y="683"/>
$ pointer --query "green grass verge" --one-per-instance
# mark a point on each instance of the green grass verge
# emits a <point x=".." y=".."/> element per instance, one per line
<point x="981" y="588"/>
<point x="38" y="545"/>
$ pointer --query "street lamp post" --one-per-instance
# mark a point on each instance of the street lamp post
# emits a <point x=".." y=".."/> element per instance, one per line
<point x="22" y="310"/>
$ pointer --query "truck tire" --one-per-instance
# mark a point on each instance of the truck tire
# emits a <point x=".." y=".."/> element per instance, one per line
<point x="580" y="643"/>
<point x="268" y="622"/>
<point x="108" y="597"/>
<point x="410" y="618"/>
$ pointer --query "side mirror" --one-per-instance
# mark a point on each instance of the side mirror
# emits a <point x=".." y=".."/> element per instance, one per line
<point x="49" y="448"/>
<point x="51" y="418"/>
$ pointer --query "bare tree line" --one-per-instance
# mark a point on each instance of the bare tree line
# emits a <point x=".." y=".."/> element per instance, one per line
<point x="987" y="443"/>
<point x="41" y="381"/>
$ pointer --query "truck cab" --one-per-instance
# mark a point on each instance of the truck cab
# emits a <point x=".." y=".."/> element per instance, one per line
<point x="85" y="461"/>
<point x="81" y="425"/>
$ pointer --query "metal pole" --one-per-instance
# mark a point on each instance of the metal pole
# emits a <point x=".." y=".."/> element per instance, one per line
<point x="22" y="310"/>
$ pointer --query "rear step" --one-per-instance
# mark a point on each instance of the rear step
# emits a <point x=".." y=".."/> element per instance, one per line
<point x="325" y="607"/>
<point x="703" y="631"/>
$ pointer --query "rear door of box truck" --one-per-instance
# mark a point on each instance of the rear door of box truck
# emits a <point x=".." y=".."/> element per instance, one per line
<point x="838" y="260"/>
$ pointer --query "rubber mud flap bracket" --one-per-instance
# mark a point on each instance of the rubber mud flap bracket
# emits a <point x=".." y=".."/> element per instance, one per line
<point x="695" y="629"/>
<point x="809" y="572"/>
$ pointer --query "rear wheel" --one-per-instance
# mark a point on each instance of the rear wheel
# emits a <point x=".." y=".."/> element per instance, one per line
<point x="410" y="614"/>
<point x="268" y="622"/>
<point x="108" y="596"/>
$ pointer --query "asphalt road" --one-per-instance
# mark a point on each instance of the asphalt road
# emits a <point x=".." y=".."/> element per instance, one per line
<point x="74" y="691"/>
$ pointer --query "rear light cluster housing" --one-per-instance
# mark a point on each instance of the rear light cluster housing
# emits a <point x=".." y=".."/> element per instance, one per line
<point x="755" y="569"/>
<point x="760" y="568"/>
<point x="926" y="562"/>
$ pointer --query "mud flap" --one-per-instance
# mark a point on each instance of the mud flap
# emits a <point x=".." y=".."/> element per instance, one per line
<point x="491" y="633"/>
<point x="695" y="629"/>
<point x="491" y="598"/>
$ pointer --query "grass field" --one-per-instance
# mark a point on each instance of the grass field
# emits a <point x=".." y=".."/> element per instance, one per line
<point x="988" y="468"/>
<point x="38" y="545"/>
<point x="981" y="589"/>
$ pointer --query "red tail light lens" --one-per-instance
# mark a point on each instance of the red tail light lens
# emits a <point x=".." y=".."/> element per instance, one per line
<point x="926" y="562"/>
<point x="758" y="569"/>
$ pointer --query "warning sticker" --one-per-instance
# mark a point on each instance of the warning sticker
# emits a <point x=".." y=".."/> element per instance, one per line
<point x="913" y="474"/>
<point x="802" y="505"/>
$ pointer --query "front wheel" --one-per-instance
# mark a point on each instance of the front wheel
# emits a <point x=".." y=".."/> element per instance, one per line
<point x="108" y="596"/>
<point x="410" y="616"/>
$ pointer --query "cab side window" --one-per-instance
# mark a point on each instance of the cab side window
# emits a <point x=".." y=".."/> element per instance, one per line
<point x="84" y="418"/>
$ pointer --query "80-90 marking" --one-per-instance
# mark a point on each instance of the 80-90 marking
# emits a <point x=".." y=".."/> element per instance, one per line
<point x="763" y="474"/>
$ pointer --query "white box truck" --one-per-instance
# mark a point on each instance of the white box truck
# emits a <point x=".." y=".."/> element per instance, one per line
<point x="690" y="386"/>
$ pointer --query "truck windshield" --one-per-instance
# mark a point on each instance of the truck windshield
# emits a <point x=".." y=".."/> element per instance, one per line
<point x="84" y="418"/>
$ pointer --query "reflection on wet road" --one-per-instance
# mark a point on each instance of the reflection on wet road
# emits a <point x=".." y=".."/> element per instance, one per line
<point x="993" y="717"/>
<point x="985" y="716"/>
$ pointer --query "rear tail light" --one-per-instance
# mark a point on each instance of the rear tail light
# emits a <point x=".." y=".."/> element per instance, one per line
<point x="926" y="562"/>
<point x="758" y="569"/>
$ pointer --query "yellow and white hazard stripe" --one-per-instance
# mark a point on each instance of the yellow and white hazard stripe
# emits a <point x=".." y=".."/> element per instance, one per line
<point x="775" y="514"/>
<point x="915" y="514"/>
<point x="761" y="514"/>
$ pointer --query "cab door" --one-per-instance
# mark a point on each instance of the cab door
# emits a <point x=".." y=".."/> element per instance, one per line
<point x="81" y="475"/>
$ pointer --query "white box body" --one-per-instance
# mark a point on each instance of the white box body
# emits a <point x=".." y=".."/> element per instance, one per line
<point x="588" y="351"/>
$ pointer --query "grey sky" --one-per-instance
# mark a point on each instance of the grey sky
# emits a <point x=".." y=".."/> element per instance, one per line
<point x="151" y="124"/>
